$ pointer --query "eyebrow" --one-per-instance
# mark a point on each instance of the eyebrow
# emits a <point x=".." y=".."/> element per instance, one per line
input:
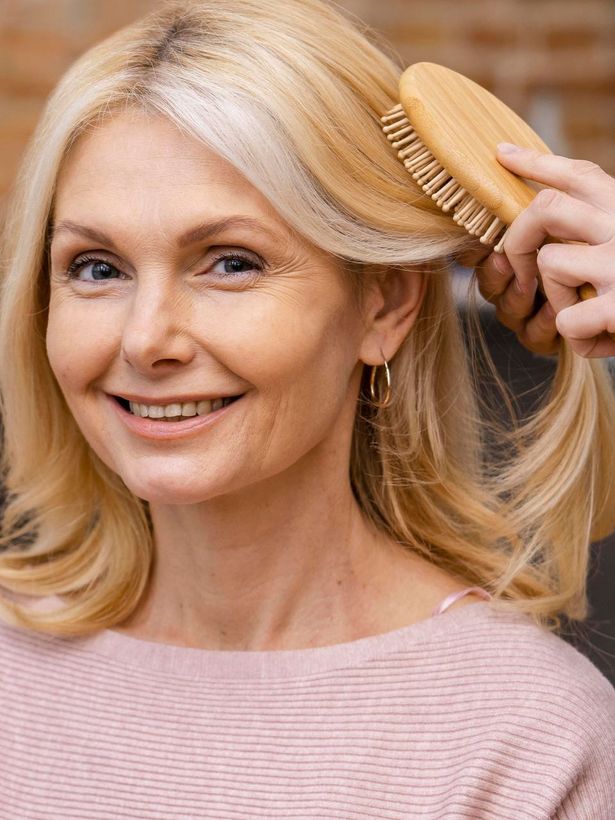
<point x="197" y="234"/>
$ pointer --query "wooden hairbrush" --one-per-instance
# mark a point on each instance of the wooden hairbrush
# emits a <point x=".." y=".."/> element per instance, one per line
<point x="445" y="130"/>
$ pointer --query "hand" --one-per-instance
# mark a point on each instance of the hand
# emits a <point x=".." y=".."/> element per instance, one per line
<point x="579" y="206"/>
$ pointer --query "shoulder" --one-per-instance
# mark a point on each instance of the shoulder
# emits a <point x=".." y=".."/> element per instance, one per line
<point x="545" y="705"/>
<point x="529" y="665"/>
<point x="22" y="647"/>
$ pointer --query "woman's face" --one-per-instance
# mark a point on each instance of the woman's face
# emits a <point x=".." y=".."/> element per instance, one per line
<point x="175" y="284"/>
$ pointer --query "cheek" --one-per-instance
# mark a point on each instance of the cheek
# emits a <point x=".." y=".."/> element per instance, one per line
<point x="78" y="350"/>
<point x="62" y="353"/>
<point x="77" y="343"/>
<point x="277" y="346"/>
<point x="299" y="359"/>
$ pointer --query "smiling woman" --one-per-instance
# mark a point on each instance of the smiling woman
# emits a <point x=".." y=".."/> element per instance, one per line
<point x="244" y="442"/>
<point x="189" y="304"/>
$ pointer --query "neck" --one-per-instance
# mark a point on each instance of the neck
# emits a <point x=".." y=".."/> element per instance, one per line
<point x="288" y="563"/>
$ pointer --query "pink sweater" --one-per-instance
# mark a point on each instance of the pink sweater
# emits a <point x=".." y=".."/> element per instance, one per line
<point x="472" y="713"/>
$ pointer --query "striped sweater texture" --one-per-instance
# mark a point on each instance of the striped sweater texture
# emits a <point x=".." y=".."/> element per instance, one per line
<point x="472" y="713"/>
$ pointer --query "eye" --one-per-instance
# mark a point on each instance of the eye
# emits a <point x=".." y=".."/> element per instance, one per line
<point x="237" y="265"/>
<point x="92" y="269"/>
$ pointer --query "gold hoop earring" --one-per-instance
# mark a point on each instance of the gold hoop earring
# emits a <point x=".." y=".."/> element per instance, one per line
<point x="386" y="401"/>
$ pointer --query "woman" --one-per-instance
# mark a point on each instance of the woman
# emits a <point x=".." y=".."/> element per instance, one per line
<point x="268" y="570"/>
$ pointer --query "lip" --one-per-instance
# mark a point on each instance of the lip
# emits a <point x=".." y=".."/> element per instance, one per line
<point x="165" y="430"/>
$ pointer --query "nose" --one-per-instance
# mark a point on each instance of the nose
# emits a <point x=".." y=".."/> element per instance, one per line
<point x="156" y="329"/>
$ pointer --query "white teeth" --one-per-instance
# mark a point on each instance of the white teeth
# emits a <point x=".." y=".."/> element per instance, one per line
<point x="187" y="409"/>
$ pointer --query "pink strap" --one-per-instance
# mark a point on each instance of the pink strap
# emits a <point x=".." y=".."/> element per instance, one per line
<point x="455" y="596"/>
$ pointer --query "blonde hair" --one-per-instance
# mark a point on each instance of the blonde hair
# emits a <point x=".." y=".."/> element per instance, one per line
<point x="293" y="100"/>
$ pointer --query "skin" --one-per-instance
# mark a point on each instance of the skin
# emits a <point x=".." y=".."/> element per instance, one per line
<point x="259" y="543"/>
<point x="578" y="206"/>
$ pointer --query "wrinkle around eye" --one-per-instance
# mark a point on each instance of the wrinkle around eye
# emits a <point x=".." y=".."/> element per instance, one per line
<point x="287" y="281"/>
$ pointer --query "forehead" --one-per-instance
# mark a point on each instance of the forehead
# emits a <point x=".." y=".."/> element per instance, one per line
<point x="140" y="163"/>
<point x="137" y="178"/>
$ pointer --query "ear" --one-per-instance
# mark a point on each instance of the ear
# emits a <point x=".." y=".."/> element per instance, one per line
<point x="392" y="304"/>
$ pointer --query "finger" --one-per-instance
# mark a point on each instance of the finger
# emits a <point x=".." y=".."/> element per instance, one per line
<point x="563" y="268"/>
<point x="514" y="307"/>
<point x="577" y="177"/>
<point x="540" y="333"/>
<point x="599" y="348"/>
<point x="493" y="276"/>
<point x="588" y="319"/>
<point x="552" y="213"/>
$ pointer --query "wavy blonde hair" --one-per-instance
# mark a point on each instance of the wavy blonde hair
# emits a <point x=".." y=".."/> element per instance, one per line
<point x="293" y="100"/>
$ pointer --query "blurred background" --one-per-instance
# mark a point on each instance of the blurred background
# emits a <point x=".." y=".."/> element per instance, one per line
<point x="552" y="61"/>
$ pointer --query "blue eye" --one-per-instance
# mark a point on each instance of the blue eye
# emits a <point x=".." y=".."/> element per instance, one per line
<point x="94" y="269"/>
<point x="100" y="271"/>
<point x="233" y="263"/>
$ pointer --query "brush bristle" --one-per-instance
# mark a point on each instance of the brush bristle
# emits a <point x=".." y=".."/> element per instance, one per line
<point x="436" y="181"/>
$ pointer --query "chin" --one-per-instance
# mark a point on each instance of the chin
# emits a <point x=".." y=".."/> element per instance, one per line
<point x="173" y="489"/>
<point x="172" y="496"/>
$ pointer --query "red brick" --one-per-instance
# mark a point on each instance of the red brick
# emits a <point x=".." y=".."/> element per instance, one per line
<point x="418" y="34"/>
<point x="33" y="61"/>
<point x="572" y="38"/>
<point x="596" y="150"/>
<point x="591" y="129"/>
<point x="512" y="47"/>
<point x="491" y="37"/>
<point x="18" y="116"/>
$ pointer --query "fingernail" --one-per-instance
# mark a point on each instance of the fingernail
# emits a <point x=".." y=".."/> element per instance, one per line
<point x="509" y="148"/>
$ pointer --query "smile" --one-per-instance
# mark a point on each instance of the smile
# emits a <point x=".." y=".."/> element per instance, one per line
<point x="176" y="420"/>
<point x="176" y="412"/>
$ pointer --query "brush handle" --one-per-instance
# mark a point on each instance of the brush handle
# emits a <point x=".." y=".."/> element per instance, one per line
<point x="588" y="291"/>
<point x="446" y="129"/>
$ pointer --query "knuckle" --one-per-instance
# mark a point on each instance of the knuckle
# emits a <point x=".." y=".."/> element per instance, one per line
<point x="489" y="293"/>
<point x="565" y="322"/>
<point x="586" y="167"/>
<point x="538" y="340"/>
<point x="510" y="306"/>
<point x="547" y="198"/>
<point x="546" y="256"/>
<point x="504" y="318"/>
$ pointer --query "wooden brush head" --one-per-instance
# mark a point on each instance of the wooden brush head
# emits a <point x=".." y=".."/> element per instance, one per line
<point x="461" y="123"/>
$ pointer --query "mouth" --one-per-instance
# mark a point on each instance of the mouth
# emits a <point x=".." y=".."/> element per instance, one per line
<point x="176" y="411"/>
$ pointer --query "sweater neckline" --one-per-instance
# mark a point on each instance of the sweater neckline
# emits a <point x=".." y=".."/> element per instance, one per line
<point x="193" y="662"/>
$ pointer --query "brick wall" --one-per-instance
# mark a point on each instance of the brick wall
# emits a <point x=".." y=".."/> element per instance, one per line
<point x="553" y="61"/>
